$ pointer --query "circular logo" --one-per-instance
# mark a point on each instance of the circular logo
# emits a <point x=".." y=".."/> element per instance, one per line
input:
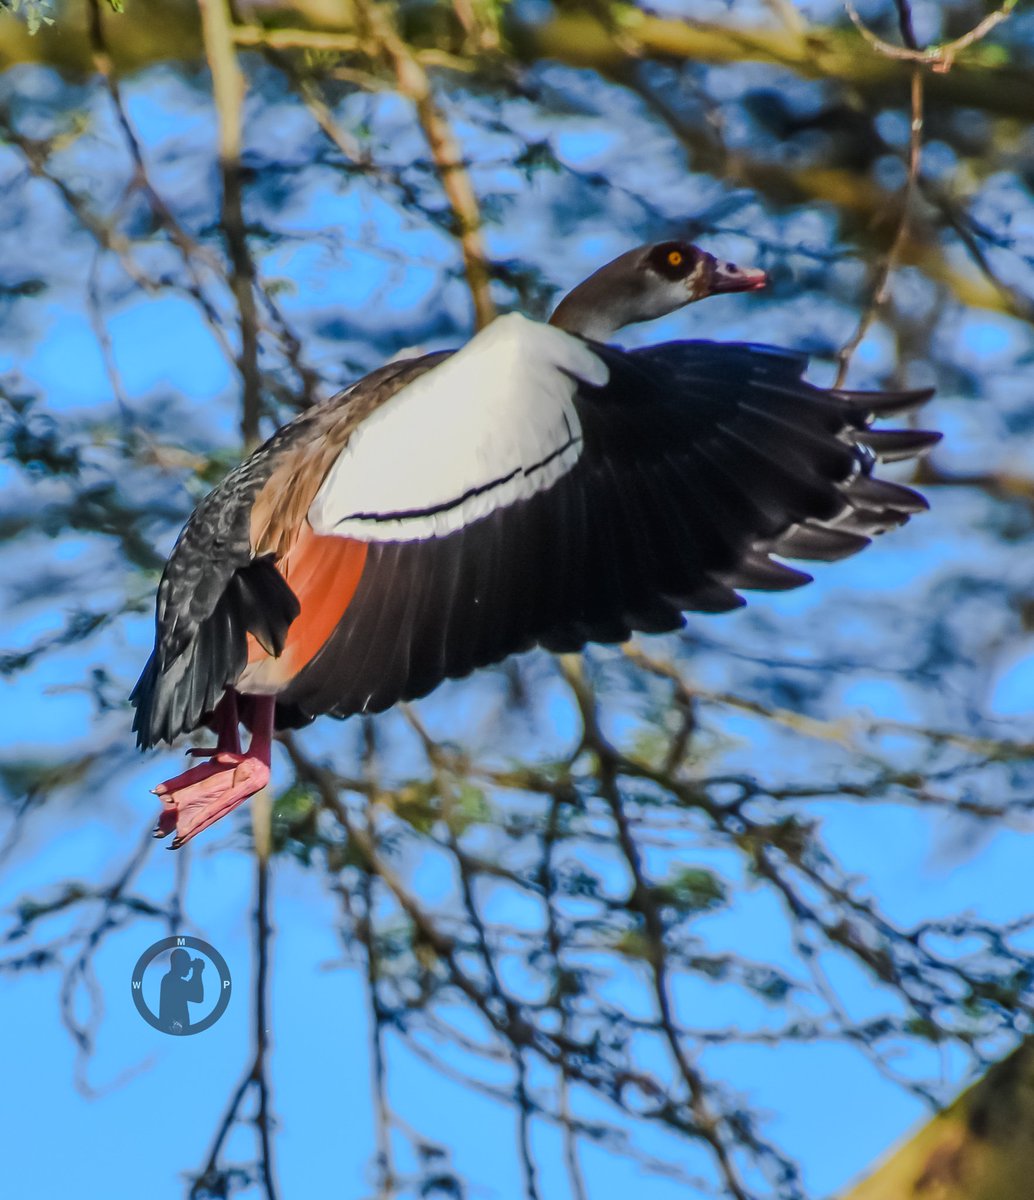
<point x="187" y="990"/>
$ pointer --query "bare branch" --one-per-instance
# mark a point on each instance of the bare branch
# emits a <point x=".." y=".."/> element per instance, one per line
<point x="891" y="259"/>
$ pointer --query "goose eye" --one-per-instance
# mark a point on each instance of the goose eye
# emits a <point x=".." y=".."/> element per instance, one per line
<point x="672" y="260"/>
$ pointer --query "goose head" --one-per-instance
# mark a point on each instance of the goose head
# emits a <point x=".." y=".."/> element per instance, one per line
<point x="648" y="282"/>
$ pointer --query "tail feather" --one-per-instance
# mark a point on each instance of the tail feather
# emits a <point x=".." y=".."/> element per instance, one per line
<point x="176" y="696"/>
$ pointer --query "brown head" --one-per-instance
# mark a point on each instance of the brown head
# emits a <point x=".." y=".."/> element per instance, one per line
<point x="648" y="282"/>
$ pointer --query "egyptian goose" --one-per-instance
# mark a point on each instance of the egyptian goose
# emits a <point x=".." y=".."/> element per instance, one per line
<point x="536" y="487"/>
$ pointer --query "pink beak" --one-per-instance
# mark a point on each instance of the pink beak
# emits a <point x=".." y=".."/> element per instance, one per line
<point x="728" y="277"/>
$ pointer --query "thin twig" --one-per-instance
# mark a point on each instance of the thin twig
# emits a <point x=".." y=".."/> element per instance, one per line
<point x="641" y="899"/>
<point x="940" y="57"/>
<point x="212" y="1176"/>
<point x="891" y="258"/>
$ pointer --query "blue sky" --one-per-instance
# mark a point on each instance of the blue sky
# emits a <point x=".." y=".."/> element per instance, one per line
<point x="158" y="1099"/>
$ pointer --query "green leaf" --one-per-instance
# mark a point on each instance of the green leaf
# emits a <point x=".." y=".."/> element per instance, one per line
<point x="294" y="804"/>
<point x="470" y="807"/>
<point x="416" y="803"/>
<point x="636" y="944"/>
<point x="691" y="890"/>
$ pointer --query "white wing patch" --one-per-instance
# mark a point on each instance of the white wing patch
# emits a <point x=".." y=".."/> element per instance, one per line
<point x="493" y="424"/>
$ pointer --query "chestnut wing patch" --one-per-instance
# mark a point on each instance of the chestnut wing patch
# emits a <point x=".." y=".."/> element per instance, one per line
<point x="323" y="573"/>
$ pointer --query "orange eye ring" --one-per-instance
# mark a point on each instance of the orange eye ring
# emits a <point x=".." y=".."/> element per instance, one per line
<point x="675" y="258"/>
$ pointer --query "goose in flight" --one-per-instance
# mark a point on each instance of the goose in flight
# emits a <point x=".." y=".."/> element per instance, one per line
<point x="538" y="487"/>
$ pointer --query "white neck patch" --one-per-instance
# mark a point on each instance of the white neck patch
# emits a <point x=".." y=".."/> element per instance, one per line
<point x="493" y="424"/>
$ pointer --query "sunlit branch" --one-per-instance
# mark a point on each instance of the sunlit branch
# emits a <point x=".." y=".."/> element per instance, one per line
<point x="228" y="95"/>
<point x="583" y="40"/>
<point x="940" y="57"/>
<point x="412" y="81"/>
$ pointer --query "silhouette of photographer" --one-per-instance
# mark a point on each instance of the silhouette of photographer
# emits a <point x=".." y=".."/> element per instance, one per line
<point x="178" y="991"/>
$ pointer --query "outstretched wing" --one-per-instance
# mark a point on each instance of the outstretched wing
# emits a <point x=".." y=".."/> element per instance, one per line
<point x="223" y="597"/>
<point x="537" y="489"/>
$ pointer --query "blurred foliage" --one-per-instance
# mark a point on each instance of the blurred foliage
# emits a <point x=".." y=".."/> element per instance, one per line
<point x="396" y="173"/>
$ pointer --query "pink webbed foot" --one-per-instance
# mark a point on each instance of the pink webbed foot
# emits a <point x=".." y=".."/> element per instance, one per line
<point x="206" y="793"/>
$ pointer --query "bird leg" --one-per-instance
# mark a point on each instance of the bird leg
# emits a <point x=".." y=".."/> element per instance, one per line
<point x="202" y="795"/>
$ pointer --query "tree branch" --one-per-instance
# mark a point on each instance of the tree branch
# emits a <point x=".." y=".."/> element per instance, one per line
<point x="413" y="83"/>
<point x="228" y="96"/>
